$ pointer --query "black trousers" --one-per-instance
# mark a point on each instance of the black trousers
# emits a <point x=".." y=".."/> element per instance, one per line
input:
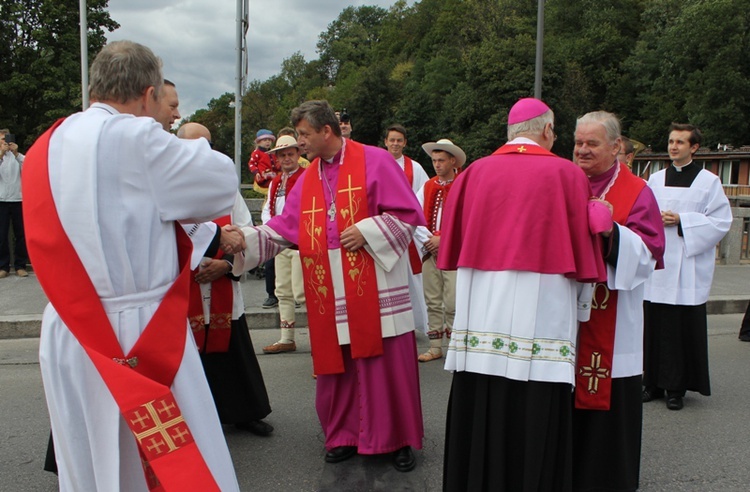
<point x="11" y="214"/>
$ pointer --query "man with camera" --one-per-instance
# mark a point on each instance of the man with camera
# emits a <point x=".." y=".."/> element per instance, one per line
<point x="11" y="162"/>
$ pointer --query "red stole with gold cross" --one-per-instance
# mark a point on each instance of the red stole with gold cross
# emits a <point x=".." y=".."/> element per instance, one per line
<point x="596" y="337"/>
<point x="414" y="259"/>
<point x="212" y="335"/>
<point x="140" y="380"/>
<point x="359" y="274"/>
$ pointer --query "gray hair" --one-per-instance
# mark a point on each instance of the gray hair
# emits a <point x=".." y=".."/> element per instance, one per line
<point x="123" y="70"/>
<point x="609" y="121"/>
<point x="534" y="126"/>
<point x="318" y="114"/>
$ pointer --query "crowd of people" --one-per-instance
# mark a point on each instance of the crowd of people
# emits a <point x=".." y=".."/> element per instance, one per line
<point x="527" y="271"/>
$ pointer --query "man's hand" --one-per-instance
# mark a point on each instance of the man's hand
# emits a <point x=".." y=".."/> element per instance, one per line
<point x="211" y="270"/>
<point x="432" y="245"/>
<point x="232" y="239"/>
<point x="669" y="218"/>
<point x="13" y="148"/>
<point x="352" y="239"/>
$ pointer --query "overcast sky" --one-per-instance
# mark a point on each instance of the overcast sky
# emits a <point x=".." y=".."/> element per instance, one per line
<point x="196" y="38"/>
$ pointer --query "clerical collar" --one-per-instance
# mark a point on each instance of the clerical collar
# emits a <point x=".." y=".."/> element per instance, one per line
<point x="679" y="169"/>
<point x="341" y="152"/>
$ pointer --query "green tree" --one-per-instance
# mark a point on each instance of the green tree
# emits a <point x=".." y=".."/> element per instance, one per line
<point x="40" y="74"/>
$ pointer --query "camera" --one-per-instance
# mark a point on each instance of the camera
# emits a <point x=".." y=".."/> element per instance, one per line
<point x="10" y="138"/>
<point x="344" y="117"/>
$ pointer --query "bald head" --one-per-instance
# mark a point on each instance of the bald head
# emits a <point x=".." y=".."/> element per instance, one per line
<point x="193" y="131"/>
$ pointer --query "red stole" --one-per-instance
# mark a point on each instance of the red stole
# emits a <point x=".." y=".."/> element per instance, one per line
<point x="219" y="323"/>
<point x="140" y="380"/>
<point x="409" y="170"/>
<point x="360" y="277"/>
<point x="596" y="337"/>
<point x="435" y="195"/>
<point x="276" y="183"/>
<point x="414" y="259"/>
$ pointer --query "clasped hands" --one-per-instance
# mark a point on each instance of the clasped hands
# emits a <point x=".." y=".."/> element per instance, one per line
<point x="232" y="239"/>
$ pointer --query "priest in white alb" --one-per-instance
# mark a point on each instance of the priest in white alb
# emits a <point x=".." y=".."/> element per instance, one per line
<point x="353" y="215"/>
<point x="129" y="404"/>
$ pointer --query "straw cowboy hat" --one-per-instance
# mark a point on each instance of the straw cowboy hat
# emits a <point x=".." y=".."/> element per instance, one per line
<point x="447" y="146"/>
<point x="284" y="142"/>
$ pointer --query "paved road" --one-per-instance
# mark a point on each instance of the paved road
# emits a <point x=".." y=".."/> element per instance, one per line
<point x="705" y="447"/>
<point x="22" y="301"/>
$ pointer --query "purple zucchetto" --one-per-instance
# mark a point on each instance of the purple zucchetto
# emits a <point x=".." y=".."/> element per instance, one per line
<point x="526" y="109"/>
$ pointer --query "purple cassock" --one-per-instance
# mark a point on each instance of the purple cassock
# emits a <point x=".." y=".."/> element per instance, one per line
<point x="375" y="403"/>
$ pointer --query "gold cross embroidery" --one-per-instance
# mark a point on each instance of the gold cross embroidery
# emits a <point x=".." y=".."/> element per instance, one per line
<point x="157" y="435"/>
<point x="140" y="420"/>
<point x="351" y="201"/>
<point x="312" y="213"/>
<point x="594" y="372"/>
<point x="166" y="408"/>
<point x="522" y="149"/>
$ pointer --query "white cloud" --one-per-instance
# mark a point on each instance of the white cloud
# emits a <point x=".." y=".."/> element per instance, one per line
<point x="196" y="39"/>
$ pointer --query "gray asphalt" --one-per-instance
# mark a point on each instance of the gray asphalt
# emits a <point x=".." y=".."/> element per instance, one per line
<point x="704" y="447"/>
<point x="22" y="301"/>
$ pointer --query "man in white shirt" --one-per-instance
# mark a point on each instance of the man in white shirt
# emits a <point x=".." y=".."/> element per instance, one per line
<point x="11" y="213"/>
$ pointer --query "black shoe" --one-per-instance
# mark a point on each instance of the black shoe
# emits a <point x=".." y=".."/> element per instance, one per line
<point x="257" y="427"/>
<point x="674" y="403"/>
<point x="744" y="338"/>
<point x="270" y="303"/>
<point x="652" y="394"/>
<point x="341" y="453"/>
<point x="403" y="459"/>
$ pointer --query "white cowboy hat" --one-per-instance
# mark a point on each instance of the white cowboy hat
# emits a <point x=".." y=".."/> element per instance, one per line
<point x="447" y="146"/>
<point x="284" y="142"/>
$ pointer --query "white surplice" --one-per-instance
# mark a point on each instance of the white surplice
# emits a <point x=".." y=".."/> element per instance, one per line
<point x="498" y="332"/>
<point x="705" y="216"/>
<point x="635" y="265"/>
<point x="118" y="183"/>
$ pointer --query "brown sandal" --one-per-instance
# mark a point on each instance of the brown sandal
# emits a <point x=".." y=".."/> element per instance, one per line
<point x="429" y="356"/>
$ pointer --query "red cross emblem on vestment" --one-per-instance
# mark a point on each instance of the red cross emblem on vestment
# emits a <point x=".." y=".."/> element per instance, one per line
<point x="159" y="427"/>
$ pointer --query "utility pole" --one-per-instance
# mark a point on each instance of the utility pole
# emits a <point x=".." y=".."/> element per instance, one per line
<point x="539" y="49"/>
<point x="241" y="47"/>
<point x="83" y="11"/>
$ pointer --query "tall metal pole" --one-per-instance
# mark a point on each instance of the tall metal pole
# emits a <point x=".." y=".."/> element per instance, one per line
<point x="241" y="21"/>
<point x="539" y="49"/>
<point x="83" y="11"/>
